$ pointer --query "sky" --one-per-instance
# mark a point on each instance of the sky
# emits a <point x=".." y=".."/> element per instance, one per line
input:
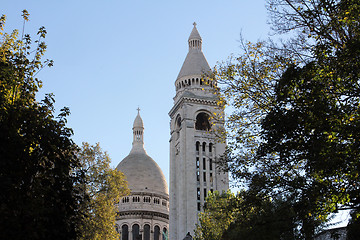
<point x="111" y="57"/>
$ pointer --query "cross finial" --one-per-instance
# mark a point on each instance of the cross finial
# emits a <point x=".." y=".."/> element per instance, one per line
<point x="138" y="109"/>
<point x="194" y="24"/>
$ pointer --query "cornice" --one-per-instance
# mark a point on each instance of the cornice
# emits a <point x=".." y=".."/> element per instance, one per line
<point x="142" y="214"/>
<point x="183" y="100"/>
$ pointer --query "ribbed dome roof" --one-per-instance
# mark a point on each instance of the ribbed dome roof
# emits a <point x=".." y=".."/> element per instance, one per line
<point x="143" y="174"/>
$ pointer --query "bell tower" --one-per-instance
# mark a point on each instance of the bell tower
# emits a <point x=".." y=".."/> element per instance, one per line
<point x="193" y="144"/>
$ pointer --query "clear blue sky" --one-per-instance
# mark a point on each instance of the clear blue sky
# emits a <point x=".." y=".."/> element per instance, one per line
<point x="114" y="56"/>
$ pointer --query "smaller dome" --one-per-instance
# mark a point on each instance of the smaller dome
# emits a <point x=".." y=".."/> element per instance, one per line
<point x="194" y="35"/>
<point x="138" y="122"/>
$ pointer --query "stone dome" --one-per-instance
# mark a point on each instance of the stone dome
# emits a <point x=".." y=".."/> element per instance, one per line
<point x="143" y="174"/>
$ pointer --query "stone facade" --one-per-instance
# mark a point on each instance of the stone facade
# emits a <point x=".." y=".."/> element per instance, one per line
<point x="193" y="144"/>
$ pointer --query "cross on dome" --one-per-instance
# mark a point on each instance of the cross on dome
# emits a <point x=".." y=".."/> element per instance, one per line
<point x="194" y="24"/>
<point x="138" y="109"/>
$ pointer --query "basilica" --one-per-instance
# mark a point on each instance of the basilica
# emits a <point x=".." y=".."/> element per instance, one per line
<point x="151" y="211"/>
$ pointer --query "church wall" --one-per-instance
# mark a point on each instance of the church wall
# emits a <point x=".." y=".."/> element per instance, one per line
<point x="191" y="219"/>
<point x="173" y="178"/>
<point x="141" y="222"/>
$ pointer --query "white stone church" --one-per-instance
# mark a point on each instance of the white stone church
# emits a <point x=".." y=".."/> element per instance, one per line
<point x="150" y="212"/>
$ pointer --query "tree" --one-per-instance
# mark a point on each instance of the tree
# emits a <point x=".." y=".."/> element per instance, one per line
<point x="105" y="187"/>
<point x="217" y="216"/>
<point x="247" y="88"/>
<point x="318" y="104"/>
<point x="230" y="216"/>
<point x="38" y="198"/>
<point x="302" y="141"/>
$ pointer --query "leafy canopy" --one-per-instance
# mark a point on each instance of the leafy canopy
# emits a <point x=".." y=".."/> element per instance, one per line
<point x="293" y="132"/>
<point x="38" y="200"/>
<point x="104" y="186"/>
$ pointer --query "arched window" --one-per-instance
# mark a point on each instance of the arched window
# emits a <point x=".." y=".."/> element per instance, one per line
<point x="202" y="122"/>
<point x="147" y="232"/>
<point x="210" y="147"/>
<point x="124" y="232"/>
<point x="204" y="146"/>
<point x="178" y="122"/>
<point x="177" y="126"/>
<point x="136" y="232"/>
<point x="165" y="234"/>
<point x="156" y="233"/>
<point x="197" y="146"/>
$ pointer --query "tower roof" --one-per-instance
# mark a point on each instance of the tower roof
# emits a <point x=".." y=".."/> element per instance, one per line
<point x="138" y="122"/>
<point x="195" y="62"/>
<point x="194" y="33"/>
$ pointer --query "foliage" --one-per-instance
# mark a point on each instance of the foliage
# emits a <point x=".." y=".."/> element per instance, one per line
<point x="318" y="105"/>
<point x="247" y="88"/>
<point x="294" y="131"/>
<point x="104" y="186"/>
<point x="217" y="216"/>
<point x="38" y="198"/>
<point x="229" y="216"/>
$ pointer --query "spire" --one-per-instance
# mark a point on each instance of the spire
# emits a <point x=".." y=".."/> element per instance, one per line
<point x="138" y="133"/>
<point x="195" y="40"/>
<point x="195" y="62"/>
